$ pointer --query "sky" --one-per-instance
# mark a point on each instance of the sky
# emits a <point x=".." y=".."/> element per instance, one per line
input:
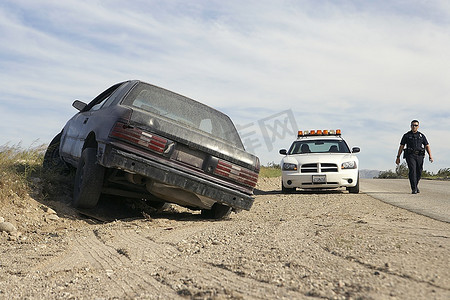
<point x="275" y="67"/>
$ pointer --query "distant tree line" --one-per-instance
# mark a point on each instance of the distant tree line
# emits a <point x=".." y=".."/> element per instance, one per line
<point x="401" y="171"/>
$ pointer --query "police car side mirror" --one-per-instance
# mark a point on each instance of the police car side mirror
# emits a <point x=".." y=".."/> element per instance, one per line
<point x="283" y="152"/>
<point x="355" y="149"/>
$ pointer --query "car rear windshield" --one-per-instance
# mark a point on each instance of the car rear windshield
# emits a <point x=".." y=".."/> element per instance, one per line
<point x="183" y="110"/>
<point x="319" y="146"/>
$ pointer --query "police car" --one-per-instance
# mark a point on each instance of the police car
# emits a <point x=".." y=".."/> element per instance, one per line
<point x="319" y="159"/>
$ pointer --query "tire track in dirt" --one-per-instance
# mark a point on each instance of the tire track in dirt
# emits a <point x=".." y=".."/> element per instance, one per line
<point x="186" y="275"/>
<point x="384" y="270"/>
<point x="93" y="254"/>
<point x="150" y="266"/>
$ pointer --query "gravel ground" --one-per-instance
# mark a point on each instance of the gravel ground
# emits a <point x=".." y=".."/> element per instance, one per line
<point x="330" y="245"/>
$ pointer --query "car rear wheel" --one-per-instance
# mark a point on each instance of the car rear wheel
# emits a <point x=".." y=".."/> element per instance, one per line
<point x="88" y="180"/>
<point x="217" y="211"/>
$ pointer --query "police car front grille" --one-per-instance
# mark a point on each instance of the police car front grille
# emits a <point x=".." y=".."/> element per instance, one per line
<point x="319" y="168"/>
<point x="309" y="168"/>
<point x="328" y="167"/>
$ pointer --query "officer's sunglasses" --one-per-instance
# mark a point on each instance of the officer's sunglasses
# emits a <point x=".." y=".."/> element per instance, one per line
<point x="414" y="125"/>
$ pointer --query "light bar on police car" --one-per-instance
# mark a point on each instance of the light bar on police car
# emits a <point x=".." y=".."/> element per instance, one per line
<point x="318" y="132"/>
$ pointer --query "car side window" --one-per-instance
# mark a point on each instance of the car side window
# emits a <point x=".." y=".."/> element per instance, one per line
<point x="104" y="99"/>
<point x="100" y="104"/>
<point x="110" y="99"/>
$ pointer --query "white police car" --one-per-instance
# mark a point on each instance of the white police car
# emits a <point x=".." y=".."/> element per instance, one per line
<point x="319" y="159"/>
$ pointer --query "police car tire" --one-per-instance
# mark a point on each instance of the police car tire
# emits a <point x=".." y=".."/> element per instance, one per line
<point x="355" y="189"/>
<point x="286" y="190"/>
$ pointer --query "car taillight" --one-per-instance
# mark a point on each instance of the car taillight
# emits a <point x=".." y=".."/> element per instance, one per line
<point x="139" y="137"/>
<point x="237" y="173"/>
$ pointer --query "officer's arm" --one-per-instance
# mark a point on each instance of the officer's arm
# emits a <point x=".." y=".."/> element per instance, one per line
<point x="400" y="150"/>
<point x="428" y="149"/>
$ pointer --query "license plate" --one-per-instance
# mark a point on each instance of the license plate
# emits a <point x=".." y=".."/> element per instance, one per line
<point x="319" y="179"/>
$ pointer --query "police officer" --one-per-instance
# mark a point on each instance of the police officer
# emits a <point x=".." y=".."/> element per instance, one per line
<point x="416" y="145"/>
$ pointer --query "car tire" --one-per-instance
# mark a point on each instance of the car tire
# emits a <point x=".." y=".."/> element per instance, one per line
<point x="52" y="160"/>
<point x="354" y="189"/>
<point x="88" y="180"/>
<point x="217" y="211"/>
<point x="286" y="190"/>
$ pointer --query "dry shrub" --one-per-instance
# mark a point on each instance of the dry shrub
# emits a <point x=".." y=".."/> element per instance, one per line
<point x="17" y="168"/>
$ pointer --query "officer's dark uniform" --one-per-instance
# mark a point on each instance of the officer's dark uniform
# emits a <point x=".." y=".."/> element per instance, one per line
<point x="414" y="154"/>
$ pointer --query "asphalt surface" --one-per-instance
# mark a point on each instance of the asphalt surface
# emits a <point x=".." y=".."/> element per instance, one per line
<point x="432" y="201"/>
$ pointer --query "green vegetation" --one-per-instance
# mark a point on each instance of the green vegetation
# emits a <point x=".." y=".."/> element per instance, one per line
<point x="17" y="168"/>
<point x="271" y="170"/>
<point x="401" y="171"/>
<point x="442" y="174"/>
<point x="21" y="172"/>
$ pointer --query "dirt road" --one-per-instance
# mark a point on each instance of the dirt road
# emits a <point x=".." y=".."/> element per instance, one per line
<point x="330" y="245"/>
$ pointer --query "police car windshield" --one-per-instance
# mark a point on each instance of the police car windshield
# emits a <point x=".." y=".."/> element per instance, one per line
<point x="318" y="146"/>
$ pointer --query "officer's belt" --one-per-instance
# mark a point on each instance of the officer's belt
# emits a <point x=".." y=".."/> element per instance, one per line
<point x="416" y="152"/>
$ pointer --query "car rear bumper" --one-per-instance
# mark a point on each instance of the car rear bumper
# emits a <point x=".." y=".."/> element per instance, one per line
<point x="348" y="178"/>
<point x="119" y="159"/>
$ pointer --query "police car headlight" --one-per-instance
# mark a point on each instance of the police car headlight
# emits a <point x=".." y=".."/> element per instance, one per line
<point x="349" y="165"/>
<point x="289" y="167"/>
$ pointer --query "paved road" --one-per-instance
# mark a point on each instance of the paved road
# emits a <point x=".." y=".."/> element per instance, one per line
<point x="433" y="200"/>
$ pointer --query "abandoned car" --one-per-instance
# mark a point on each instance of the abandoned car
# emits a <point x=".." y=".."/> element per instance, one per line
<point x="137" y="140"/>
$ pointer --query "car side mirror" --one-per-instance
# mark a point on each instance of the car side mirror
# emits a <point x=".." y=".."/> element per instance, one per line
<point x="79" y="105"/>
<point x="355" y="149"/>
<point x="283" y="152"/>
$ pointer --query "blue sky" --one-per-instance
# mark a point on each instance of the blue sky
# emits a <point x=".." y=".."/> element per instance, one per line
<point x="366" y="67"/>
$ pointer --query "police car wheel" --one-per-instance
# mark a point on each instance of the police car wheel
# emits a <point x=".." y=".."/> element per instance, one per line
<point x="355" y="189"/>
<point x="286" y="190"/>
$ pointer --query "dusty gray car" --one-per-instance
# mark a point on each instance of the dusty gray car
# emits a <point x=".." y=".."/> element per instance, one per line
<point x="137" y="140"/>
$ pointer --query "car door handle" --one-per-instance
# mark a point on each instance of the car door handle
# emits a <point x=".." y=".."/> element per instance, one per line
<point x="85" y="120"/>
